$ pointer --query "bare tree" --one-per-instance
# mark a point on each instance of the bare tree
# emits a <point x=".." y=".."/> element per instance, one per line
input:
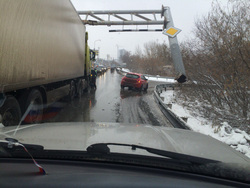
<point x="151" y="60"/>
<point x="218" y="59"/>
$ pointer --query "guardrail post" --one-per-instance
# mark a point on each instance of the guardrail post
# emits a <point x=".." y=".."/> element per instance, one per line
<point x="169" y="106"/>
<point x="184" y="119"/>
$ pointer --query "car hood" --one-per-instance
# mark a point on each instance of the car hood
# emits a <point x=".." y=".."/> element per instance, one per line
<point x="78" y="136"/>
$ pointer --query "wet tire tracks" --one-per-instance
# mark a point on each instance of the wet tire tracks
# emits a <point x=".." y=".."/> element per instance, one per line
<point x="140" y="109"/>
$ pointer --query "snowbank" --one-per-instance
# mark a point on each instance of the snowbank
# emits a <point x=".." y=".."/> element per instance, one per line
<point x="154" y="78"/>
<point x="236" y="138"/>
<point x="125" y="70"/>
<point x="160" y="79"/>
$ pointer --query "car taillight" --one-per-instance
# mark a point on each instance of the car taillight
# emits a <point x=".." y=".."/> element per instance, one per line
<point x="139" y="81"/>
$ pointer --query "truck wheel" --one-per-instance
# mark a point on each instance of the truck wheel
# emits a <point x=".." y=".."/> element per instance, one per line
<point x="72" y="91"/>
<point x="87" y="85"/>
<point x="10" y="111"/>
<point x="34" y="105"/>
<point x="79" y="88"/>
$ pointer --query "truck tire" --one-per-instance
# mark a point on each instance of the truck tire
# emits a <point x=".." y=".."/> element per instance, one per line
<point x="72" y="91"/>
<point x="34" y="104"/>
<point x="79" y="88"/>
<point x="10" y="112"/>
<point x="87" y="85"/>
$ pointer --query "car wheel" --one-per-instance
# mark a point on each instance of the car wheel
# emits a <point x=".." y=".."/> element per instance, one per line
<point x="122" y="87"/>
<point x="146" y="88"/>
<point x="10" y="112"/>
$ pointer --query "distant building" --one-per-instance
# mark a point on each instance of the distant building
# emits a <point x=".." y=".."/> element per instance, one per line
<point x="108" y="57"/>
<point x="121" y="52"/>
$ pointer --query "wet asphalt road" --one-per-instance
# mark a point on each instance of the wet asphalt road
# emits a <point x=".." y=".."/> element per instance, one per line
<point x="108" y="103"/>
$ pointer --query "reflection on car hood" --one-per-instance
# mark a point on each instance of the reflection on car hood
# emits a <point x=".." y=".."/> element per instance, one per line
<point x="78" y="136"/>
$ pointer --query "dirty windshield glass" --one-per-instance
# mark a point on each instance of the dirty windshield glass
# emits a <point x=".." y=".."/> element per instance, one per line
<point x="64" y="66"/>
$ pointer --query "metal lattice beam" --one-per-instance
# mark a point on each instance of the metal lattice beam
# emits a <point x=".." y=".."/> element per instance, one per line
<point x="166" y="21"/>
<point x="142" y="15"/>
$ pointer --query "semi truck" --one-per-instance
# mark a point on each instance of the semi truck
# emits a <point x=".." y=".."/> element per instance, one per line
<point x="43" y="57"/>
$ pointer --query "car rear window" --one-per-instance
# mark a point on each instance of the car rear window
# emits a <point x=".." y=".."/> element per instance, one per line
<point x="132" y="76"/>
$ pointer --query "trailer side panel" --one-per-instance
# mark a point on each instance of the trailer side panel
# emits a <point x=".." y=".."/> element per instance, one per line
<point x="41" y="41"/>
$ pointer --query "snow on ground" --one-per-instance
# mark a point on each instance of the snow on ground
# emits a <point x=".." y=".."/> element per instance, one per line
<point x="234" y="137"/>
<point x="155" y="78"/>
<point x="161" y="79"/>
<point x="125" y="70"/>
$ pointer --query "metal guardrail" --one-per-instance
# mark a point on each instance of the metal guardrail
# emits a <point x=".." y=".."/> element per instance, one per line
<point x="175" y="120"/>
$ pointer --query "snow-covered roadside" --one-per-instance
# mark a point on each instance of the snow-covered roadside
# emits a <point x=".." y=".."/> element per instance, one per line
<point x="125" y="70"/>
<point x="234" y="137"/>
<point x="158" y="79"/>
<point x="154" y="78"/>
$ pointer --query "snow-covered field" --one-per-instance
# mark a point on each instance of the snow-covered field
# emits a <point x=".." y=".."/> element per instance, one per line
<point x="234" y="137"/>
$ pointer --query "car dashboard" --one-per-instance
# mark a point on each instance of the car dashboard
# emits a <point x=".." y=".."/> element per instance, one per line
<point x="21" y="172"/>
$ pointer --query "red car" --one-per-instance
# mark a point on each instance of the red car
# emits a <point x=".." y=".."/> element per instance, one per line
<point x="134" y="80"/>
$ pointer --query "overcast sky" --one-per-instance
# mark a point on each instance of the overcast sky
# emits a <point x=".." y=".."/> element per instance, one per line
<point x="184" y="13"/>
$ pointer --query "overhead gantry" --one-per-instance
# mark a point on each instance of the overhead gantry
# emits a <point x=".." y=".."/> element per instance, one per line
<point x="141" y="17"/>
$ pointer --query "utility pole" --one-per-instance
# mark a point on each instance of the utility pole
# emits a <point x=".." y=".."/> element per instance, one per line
<point x="174" y="46"/>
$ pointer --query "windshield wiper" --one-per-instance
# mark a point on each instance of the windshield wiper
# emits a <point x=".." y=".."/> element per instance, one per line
<point x="102" y="148"/>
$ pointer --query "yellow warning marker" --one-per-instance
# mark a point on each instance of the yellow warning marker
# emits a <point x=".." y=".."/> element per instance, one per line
<point x="171" y="32"/>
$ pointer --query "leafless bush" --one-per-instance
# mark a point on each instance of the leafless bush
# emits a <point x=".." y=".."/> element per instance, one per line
<point x="218" y="59"/>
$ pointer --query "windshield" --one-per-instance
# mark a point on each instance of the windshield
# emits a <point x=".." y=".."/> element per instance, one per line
<point x="62" y="69"/>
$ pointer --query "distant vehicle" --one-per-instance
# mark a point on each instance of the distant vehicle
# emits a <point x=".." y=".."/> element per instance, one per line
<point x="112" y="69"/>
<point x="92" y="78"/>
<point x="101" y="69"/>
<point x="134" y="80"/>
